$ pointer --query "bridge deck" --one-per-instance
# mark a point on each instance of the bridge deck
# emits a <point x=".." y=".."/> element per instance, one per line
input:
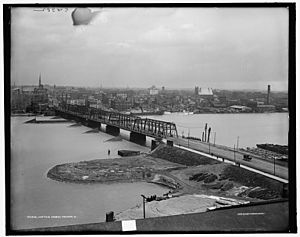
<point x="149" y="127"/>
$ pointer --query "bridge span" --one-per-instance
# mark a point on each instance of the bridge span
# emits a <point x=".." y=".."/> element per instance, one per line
<point x="139" y="127"/>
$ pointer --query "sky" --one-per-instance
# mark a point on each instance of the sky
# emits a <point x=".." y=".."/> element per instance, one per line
<point x="220" y="48"/>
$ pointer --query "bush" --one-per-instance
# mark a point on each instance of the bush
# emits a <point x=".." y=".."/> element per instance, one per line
<point x="211" y="178"/>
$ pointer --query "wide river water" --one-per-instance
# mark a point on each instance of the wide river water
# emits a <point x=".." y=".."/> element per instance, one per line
<point x="37" y="201"/>
<point x="251" y="129"/>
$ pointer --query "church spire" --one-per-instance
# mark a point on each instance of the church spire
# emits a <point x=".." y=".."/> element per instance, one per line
<point x="40" y="80"/>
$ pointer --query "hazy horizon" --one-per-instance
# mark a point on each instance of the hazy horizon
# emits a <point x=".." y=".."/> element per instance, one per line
<point x="145" y="88"/>
<point x="220" y="48"/>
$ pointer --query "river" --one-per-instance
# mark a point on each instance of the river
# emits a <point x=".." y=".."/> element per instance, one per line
<point x="41" y="202"/>
<point x="38" y="201"/>
<point x="246" y="129"/>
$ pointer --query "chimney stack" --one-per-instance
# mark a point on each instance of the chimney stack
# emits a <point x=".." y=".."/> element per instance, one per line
<point x="268" y="96"/>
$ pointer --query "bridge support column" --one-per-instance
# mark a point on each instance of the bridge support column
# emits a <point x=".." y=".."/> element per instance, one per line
<point x="93" y="124"/>
<point x="112" y="130"/>
<point x="154" y="144"/>
<point x="138" y="138"/>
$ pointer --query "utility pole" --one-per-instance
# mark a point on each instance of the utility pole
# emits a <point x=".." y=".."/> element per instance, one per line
<point x="234" y="152"/>
<point x="144" y="212"/>
<point x="189" y="138"/>
<point x="205" y="128"/>
<point x="215" y="139"/>
<point x="237" y="143"/>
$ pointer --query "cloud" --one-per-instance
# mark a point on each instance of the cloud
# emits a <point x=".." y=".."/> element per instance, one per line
<point x="136" y="46"/>
<point x="159" y="35"/>
<point x="187" y="26"/>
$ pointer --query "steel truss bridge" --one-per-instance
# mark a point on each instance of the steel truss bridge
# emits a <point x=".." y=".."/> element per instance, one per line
<point x="149" y="127"/>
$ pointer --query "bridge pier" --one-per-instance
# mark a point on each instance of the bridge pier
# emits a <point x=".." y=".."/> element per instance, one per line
<point x="138" y="138"/>
<point x="112" y="130"/>
<point x="154" y="144"/>
<point x="93" y="124"/>
<point x="74" y="117"/>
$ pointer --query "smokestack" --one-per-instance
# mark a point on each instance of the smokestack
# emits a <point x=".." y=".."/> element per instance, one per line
<point x="268" y="96"/>
<point x="208" y="134"/>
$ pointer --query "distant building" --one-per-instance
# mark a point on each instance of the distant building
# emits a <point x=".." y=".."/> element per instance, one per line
<point x="265" y="108"/>
<point x="233" y="102"/>
<point x="153" y="90"/>
<point x="240" y="108"/>
<point x="122" y="95"/>
<point x="39" y="102"/>
<point x="196" y="90"/>
<point x="205" y="93"/>
<point x="222" y="99"/>
<point x="19" y="100"/>
<point x="121" y="105"/>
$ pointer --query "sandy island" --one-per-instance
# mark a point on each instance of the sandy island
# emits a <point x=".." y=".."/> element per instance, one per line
<point x="196" y="183"/>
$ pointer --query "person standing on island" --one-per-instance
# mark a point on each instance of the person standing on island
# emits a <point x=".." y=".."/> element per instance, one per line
<point x="108" y="152"/>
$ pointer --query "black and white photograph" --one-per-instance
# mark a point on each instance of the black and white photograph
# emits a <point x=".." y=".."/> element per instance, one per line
<point x="150" y="118"/>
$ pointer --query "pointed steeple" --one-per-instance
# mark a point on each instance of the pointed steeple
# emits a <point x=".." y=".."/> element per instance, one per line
<point x="40" y="80"/>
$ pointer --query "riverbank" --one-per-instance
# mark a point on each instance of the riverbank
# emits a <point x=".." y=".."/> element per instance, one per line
<point x="196" y="182"/>
<point x="184" y="172"/>
<point x="129" y="169"/>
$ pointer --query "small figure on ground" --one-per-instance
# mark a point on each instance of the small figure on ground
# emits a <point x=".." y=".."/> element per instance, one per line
<point x="108" y="152"/>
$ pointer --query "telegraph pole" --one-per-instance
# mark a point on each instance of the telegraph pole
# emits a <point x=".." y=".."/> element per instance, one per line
<point x="237" y="143"/>
<point x="144" y="212"/>
<point x="234" y="152"/>
<point x="189" y="138"/>
<point x="215" y="139"/>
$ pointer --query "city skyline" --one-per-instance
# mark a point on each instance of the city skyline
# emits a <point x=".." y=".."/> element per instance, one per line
<point x="143" y="88"/>
<point x="220" y="48"/>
